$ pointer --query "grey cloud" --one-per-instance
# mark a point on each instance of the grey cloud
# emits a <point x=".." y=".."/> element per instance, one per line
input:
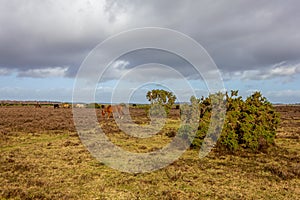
<point x="239" y="35"/>
<point x="144" y="56"/>
<point x="47" y="33"/>
<point x="151" y="39"/>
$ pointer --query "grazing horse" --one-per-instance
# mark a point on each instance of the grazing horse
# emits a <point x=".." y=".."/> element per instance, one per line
<point x="37" y="105"/>
<point x="113" y="109"/>
<point x="79" y="106"/>
<point x="55" y="106"/>
<point x="66" y="105"/>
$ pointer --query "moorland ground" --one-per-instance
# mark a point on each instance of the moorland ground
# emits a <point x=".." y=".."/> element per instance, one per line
<point x="42" y="157"/>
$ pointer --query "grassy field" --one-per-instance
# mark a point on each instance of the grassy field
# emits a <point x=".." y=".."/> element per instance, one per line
<point x="43" y="158"/>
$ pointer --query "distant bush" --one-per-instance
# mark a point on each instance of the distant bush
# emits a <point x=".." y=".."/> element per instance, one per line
<point x="93" y="105"/>
<point x="249" y="124"/>
<point x="142" y="106"/>
<point x="161" y="97"/>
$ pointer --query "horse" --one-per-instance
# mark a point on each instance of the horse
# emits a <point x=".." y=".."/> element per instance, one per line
<point x="55" y="106"/>
<point x="66" y="105"/>
<point x="79" y="106"/>
<point x="113" y="109"/>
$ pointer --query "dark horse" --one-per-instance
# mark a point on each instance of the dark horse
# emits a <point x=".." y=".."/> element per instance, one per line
<point x="113" y="109"/>
<point x="55" y="105"/>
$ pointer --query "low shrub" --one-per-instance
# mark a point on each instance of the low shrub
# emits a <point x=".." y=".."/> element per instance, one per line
<point x="249" y="124"/>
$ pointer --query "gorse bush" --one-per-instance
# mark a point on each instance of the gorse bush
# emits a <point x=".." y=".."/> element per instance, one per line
<point x="161" y="97"/>
<point x="157" y="111"/>
<point x="249" y="124"/>
<point x="190" y="120"/>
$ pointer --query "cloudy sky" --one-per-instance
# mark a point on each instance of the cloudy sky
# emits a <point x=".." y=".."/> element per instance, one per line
<point x="254" y="44"/>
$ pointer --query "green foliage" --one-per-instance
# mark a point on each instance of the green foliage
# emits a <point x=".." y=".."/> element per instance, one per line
<point x="249" y="124"/>
<point x="93" y="105"/>
<point x="190" y="115"/>
<point x="162" y="97"/>
<point x="157" y="111"/>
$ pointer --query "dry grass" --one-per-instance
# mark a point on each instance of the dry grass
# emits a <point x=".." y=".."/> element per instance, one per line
<point x="290" y="122"/>
<point x="43" y="158"/>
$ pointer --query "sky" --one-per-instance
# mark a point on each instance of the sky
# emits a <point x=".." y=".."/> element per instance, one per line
<point x="255" y="46"/>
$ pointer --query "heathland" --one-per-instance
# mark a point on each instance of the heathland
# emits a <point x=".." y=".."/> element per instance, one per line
<point x="42" y="157"/>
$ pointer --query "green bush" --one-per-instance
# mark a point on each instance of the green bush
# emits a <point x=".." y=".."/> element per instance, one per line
<point x="162" y="97"/>
<point x="93" y="105"/>
<point x="249" y="124"/>
<point x="157" y="111"/>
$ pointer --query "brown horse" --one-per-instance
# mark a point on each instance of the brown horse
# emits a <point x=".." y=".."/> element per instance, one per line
<point x="113" y="109"/>
<point x="37" y="105"/>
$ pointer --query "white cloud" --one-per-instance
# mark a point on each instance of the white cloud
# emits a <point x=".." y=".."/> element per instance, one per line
<point x="5" y="71"/>
<point x="287" y="96"/>
<point x="116" y="69"/>
<point x="282" y="69"/>
<point x="44" y="72"/>
<point x="285" y="70"/>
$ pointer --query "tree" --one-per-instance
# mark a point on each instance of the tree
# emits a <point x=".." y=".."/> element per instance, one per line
<point x="161" y="97"/>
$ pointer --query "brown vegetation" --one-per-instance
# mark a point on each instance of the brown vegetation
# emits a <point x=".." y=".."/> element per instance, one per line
<point x="43" y="158"/>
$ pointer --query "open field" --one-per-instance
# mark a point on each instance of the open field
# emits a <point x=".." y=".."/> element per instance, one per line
<point x="43" y="158"/>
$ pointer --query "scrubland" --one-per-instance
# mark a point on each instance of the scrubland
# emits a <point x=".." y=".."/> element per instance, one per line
<point x="42" y="157"/>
